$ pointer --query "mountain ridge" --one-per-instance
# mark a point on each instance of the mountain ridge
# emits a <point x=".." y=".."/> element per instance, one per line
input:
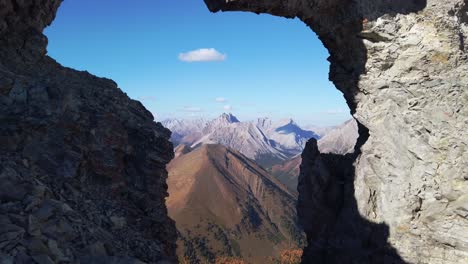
<point x="340" y="140"/>
<point x="263" y="140"/>
<point x="216" y="188"/>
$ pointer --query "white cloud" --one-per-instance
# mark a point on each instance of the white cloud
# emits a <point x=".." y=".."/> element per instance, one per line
<point x="191" y="109"/>
<point x="202" y="55"/>
<point x="221" y="100"/>
<point x="227" y="107"/>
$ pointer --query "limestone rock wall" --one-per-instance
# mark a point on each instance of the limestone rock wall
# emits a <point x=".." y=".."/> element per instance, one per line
<point x="402" y="67"/>
<point x="82" y="166"/>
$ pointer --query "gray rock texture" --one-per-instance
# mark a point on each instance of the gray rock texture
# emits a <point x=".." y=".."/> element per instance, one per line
<point x="402" y="67"/>
<point x="82" y="166"/>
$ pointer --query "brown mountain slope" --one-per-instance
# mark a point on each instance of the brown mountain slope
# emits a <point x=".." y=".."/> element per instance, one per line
<point x="226" y="205"/>
<point x="288" y="172"/>
<point x="181" y="149"/>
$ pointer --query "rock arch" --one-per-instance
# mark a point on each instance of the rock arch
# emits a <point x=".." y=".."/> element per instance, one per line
<point x="402" y="68"/>
<point x="401" y="65"/>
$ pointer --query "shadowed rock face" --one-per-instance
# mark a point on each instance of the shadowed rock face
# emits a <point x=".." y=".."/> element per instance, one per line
<point x="402" y="67"/>
<point x="82" y="166"/>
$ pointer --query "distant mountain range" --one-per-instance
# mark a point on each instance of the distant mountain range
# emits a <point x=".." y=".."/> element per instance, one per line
<point x="289" y="135"/>
<point x="339" y="140"/>
<point x="225" y="205"/>
<point x="263" y="140"/>
<point x="185" y="131"/>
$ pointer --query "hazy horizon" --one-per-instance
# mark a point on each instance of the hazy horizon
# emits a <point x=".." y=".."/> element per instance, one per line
<point x="275" y="120"/>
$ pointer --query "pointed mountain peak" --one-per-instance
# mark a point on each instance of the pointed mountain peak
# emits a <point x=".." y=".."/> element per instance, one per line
<point x="266" y="118"/>
<point x="292" y="122"/>
<point x="262" y="121"/>
<point x="288" y="123"/>
<point x="229" y="118"/>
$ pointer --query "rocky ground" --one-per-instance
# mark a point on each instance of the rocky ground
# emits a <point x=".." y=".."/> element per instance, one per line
<point x="82" y="166"/>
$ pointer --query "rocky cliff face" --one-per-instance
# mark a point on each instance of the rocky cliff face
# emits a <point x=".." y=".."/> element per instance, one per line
<point x="402" y="197"/>
<point x="82" y="166"/>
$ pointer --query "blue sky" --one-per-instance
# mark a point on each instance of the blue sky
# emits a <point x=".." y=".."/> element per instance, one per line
<point x="264" y="65"/>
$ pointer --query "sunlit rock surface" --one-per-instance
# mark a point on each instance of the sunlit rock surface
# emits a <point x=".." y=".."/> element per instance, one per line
<point x="402" y="67"/>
